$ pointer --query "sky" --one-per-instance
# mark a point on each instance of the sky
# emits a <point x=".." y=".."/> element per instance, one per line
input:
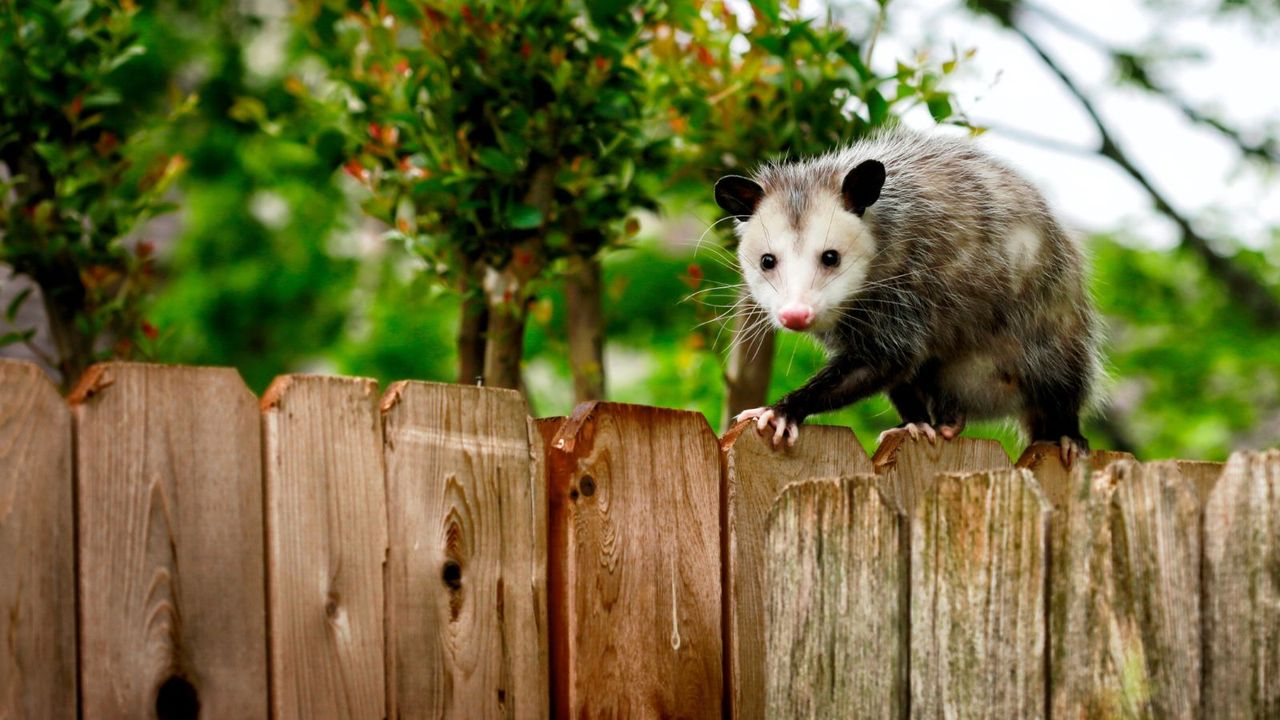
<point x="1006" y="86"/>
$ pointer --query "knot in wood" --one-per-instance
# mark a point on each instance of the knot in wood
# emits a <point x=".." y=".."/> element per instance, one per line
<point x="587" y="485"/>
<point x="452" y="574"/>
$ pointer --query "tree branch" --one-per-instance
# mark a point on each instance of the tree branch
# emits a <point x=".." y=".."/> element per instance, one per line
<point x="1242" y="286"/>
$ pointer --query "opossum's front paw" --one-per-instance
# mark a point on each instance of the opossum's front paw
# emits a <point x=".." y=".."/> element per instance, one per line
<point x="915" y="430"/>
<point x="783" y="428"/>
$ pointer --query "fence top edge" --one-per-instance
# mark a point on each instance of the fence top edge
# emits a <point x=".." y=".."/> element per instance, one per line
<point x="101" y="376"/>
<point x="396" y="391"/>
<point x="566" y="437"/>
<point x="15" y="366"/>
<point x="731" y="436"/>
<point x="1030" y="482"/>
<point x="281" y="385"/>
<point x="886" y="456"/>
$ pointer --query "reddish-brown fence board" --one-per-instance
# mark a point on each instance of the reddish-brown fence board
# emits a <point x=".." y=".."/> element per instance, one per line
<point x="754" y="473"/>
<point x="836" y="607"/>
<point x="37" y="568"/>
<point x="635" y="530"/>
<point x="979" y="558"/>
<point x="326" y="519"/>
<point x="172" y="603"/>
<point x="466" y="592"/>
<point x="1242" y="589"/>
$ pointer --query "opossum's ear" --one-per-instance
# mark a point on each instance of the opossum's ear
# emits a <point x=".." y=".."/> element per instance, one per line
<point x="738" y="195"/>
<point x="862" y="185"/>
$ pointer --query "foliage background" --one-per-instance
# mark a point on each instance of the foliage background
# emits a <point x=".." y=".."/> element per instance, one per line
<point x="270" y="265"/>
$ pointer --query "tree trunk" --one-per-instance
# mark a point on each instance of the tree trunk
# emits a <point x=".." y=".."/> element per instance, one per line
<point x="472" y="324"/>
<point x="750" y="364"/>
<point x="585" y="318"/>
<point x="504" y="339"/>
<point x="73" y="349"/>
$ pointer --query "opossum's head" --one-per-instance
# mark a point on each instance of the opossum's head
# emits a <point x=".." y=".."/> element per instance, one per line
<point x="804" y="250"/>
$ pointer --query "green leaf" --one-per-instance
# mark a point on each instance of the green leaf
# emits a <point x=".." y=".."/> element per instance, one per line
<point x="495" y="160"/>
<point x="770" y="9"/>
<point x="16" y="304"/>
<point x="524" y="217"/>
<point x="10" y="338"/>
<point x="877" y="107"/>
<point x="940" y="107"/>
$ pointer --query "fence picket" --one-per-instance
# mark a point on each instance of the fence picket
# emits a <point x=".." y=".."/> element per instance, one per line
<point x="753" y="475"/>
<point x="634" y="527"/>
<point x="1125" y="595"/>
<point x="326" y="519"/>
<point x="169" y="477"/>
<point x="1242" y="589"/>
<point x="466" y="592"/>
<point x="836" y="610"/>
<point x="37" y="575"/>
<point x="909" y="466"/>
<point x="978" y="576"/>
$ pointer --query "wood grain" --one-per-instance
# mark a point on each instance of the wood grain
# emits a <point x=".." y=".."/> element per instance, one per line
<point x="1057" y="482"/>
<point x="326" y="519"/>
<point x="1126" y="596"/>
<point x="1242" y="589"/>
<point x="910" y="466"/>
<point x="466" y="579"/>
<point x="978" y="571"/>
<point x="172" y="602"/>
<point x="836" y="610"/>
<point x="1202" y="475"/>
<point x="635" y="527"/>
<point x="37" y="575"/>
<point x="753" y="474"/>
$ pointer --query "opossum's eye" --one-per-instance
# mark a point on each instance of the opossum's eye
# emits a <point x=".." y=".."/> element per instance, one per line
<point x="831" y="258"/>
<point x="768" y="262"/>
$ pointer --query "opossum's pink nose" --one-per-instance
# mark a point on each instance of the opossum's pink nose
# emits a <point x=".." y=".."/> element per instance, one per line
<point x="796" y="316"/>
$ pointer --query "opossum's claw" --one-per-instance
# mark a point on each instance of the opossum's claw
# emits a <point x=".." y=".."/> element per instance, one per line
<point x="751" y="414"/>
<point x="1071" y="450"/>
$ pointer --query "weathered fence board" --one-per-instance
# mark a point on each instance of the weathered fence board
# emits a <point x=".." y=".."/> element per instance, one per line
<point x="1126" y="596"/>
<point x="836" y="607"/>
<point x="466" y="592"/>
<point x="910" y="465"/>
<point x="172" y="603"/>
<point x="635" y="509"/>
<point x="978" y="575"/>
<point x="37" y="573"/>
<point x="1242" y="589"/>
<point x="753" y="475"/>
<point x="326" y="519"/>
<point x="1057" y="482"/>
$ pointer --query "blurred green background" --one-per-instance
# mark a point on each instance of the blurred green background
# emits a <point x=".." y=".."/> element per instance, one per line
<point x="299" y="232"/>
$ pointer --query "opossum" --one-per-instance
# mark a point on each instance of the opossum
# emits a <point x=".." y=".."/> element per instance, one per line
<point x="929" y="270"/>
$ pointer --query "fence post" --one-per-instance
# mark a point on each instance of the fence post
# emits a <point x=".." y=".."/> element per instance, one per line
<point x="753" y="474"/>
<point x="169" y="480"/>
<point x="466" y="582"/>
<point x="635" y="564"/>
<point x="835" y="602"/>
<point x="1242" y="589"/>
<point x="37" y="573"/>
<point x="326" y="519"/>
<point x="978" y="577"/>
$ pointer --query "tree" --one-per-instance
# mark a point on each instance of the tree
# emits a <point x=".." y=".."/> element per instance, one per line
<point x="70" y="189"/>
<point x="500" y="140"/>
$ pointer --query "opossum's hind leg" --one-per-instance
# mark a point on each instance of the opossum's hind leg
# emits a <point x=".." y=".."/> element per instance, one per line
<point x="912" y="405"/>
<point x="1053" y="415"/>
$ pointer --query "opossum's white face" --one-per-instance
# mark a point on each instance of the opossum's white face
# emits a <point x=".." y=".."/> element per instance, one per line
<point x="803" y="267"/>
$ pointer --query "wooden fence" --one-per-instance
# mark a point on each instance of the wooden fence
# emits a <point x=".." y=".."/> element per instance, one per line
<point x="173" y="547"/>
